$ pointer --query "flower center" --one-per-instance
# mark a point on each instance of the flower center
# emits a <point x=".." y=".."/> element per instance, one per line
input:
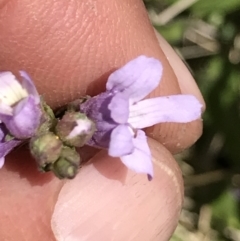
<point x="11" y="90"/>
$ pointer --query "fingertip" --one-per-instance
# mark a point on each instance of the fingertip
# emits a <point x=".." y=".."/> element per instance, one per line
<point x="177" y="137"/>
<point x="121" y="204"/>
<point x="186" y="81"/>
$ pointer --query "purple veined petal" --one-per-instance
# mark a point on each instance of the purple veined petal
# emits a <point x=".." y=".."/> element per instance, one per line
<point x="96" y="108"/>
<point x="141" y="159"/>
<point x="121" y="141"/>
<point x="137" y="78"/>
<point x="174" y="108"/>
<point x="25" y="120"/>
<point x="28" y="84"/>
<point x="6" y="147"/>
<point x="119" y="107"/>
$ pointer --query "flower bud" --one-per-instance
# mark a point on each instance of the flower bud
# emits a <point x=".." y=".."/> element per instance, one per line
<point x="48" y="120"/>
<point x="75" y="129"/>
<point x="67" y="165"/>
<point x="46" y="149"/>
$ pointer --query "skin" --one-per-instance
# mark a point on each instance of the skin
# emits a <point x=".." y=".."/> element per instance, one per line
<point x="69" y="49"/>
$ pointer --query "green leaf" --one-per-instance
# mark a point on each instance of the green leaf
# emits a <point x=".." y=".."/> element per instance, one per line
<point x="225" y="211"/>
<point x="173" y="32"/>
<point x="202" y="8"/>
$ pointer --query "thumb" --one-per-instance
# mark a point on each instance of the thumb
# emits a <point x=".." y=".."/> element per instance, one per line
<point x="109" y="202"/>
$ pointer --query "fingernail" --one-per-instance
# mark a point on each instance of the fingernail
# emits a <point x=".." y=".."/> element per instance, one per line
<point x="186" y="82"/>
<point x="108" y="202"/>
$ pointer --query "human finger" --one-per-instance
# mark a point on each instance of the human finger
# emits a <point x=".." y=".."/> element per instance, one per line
<point x="70" y="48"/>
<point x="109" y="202"/>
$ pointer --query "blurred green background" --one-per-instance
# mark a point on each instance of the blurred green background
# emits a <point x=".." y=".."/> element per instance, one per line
<point x="206" y="34"/>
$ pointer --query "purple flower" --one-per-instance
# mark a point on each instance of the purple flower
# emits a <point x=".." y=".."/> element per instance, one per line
<point x="20" y="111"/>
<point x="120" y="113"/>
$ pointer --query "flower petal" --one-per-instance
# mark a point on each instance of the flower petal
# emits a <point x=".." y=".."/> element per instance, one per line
<point x="28" y="84"/>
<point x="121" y="142"/>
<point x="174" y="108"/>
<point x="25" y="120"/>
<point x="119" y="107"/>
<point x="137" y="78"/>
<point x="96" y="109"/>
<point x="5" y="109"/>
<point x="141" y="159"/>
<point x="11" y="91"/>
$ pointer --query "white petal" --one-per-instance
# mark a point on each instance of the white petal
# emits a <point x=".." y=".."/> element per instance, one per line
<point x="121" y="141"/>
<point x="11" y="90"/>
<point x="137" y="78"/>
<point x="174" y="108"/>
<point x="141" y="159"/>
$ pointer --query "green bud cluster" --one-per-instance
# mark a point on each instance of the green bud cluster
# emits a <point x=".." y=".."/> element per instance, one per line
<point x="54" y="145"/>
